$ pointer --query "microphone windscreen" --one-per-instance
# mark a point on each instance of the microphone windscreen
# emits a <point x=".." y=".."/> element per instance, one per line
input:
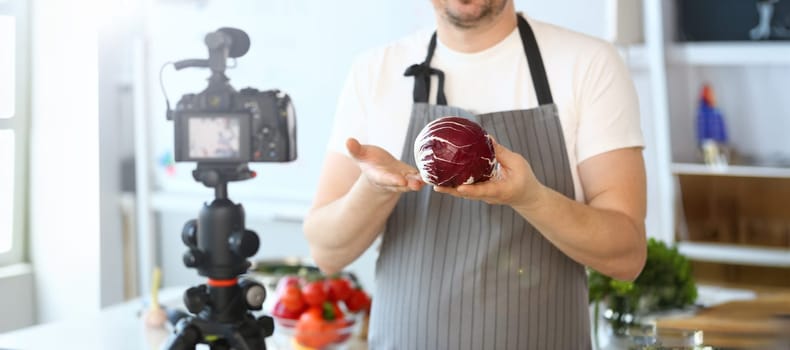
<point x="240" y="41"/>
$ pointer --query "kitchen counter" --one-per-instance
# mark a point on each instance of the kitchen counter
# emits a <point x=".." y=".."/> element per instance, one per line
<point x="120" y="327"/>
<point x="727" y="317"/>
<point x="117" y="327"/>
<point x="759" y="323"/>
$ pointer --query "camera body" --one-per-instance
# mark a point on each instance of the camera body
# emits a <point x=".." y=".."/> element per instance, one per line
<point x="221" y="125"/>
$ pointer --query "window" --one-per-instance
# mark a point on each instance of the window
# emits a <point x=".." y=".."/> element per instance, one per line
<point x="13" y="128"/>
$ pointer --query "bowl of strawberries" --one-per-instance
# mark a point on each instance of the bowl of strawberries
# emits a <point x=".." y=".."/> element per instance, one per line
<point x="319" y="312"/>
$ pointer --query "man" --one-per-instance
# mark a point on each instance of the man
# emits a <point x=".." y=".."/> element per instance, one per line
<point x="500" y="264"/>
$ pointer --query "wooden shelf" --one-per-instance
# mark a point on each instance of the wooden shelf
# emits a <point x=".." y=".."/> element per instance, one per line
<point x="735" y="254"/>
<point x="730" y="170"/>
<point x="730" y="53"/>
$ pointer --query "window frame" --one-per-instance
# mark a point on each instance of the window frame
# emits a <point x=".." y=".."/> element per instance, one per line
<point x="19" y="123"/>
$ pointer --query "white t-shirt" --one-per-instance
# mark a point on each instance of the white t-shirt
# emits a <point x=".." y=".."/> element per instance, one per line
<point x="590" y="83"/>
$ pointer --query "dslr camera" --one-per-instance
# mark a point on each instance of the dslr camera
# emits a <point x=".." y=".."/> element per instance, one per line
<point x="222" y="127"/>
<point x="222" y="130"/>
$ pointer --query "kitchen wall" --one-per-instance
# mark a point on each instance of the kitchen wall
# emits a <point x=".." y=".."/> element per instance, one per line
<point x="16" y="297"/>
<point x="64" y="161"/>
<point x="304" y="48"/>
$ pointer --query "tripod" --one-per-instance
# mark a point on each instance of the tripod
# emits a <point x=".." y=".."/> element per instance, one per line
<point x="219" y="246"/>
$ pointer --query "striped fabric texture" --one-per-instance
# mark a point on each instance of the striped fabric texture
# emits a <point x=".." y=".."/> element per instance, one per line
<point x="460" y="274"/>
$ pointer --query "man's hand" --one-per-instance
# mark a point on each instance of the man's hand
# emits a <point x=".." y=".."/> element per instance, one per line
<point x="356" y="194"/>
<point x="382" y="170"/>
<point x="514" y="185"/>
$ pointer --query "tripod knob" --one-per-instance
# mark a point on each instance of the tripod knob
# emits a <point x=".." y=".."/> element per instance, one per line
<point x="254" y="294"/>
<point x="244" y="243"/>
<point x="267" y="324"/>
<point x="189" y="233"/>
<point x="193" y="257"/>
<point x="195" y="298"/>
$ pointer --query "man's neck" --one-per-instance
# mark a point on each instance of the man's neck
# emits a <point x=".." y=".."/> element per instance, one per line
<point x="470" y="40"/>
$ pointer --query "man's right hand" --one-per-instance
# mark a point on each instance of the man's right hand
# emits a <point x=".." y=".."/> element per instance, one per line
<point x="382" y="170"/>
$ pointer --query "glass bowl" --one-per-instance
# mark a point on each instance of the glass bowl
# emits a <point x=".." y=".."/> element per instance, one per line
<point x="337" y="337"/>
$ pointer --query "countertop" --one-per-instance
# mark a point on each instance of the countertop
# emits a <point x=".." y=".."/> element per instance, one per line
<point x="118" y="327"/>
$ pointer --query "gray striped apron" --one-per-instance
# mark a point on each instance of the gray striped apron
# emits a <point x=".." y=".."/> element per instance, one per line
<point x="460" y="274"/>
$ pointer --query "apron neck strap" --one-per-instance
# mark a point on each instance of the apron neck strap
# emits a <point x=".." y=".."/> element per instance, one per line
<point x="422" y="72"/>
<point x="535" y="61"/>
<point x="422" y="77"/>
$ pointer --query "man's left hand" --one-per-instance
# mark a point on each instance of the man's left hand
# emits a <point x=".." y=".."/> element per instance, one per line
<point x="515" y="183"/>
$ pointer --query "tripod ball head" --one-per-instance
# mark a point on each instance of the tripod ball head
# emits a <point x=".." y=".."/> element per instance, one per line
<point x="189" y="233"/>
<point x="218" y="243"/>
<point x="244" y="243"/>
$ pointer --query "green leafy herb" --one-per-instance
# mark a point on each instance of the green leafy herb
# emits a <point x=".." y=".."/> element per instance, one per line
<point x="666" y="282"/>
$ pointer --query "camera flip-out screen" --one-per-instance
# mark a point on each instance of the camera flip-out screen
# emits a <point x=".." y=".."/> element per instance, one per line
<point x="215" y="137"/>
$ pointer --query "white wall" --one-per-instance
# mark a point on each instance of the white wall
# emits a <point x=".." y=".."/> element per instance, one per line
<point x="64" y="196"/>
<point x="304" y="48"/>
<point x="16" y="288"/>
<point x="110" y="117"/>
<point x="294" y="48"/>
<point x="586" y="16"/>
<point x="115" y="40"/>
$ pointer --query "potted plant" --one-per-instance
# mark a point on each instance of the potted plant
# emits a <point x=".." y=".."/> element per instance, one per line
<point x="666" y="283"/>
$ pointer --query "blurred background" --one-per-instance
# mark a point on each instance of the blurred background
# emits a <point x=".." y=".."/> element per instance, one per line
<point x="91" y="200"/>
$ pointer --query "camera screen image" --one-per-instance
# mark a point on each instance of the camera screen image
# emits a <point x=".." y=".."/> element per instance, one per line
<point x="215" y="137"/>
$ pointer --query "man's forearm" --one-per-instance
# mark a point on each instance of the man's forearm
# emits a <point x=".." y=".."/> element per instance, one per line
<point x="605" y="240"/>
<point x="340" y="231"/>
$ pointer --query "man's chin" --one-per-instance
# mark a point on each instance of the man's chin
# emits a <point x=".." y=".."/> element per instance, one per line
<point x="470" y="14"/>
<point x="468" y="19"/>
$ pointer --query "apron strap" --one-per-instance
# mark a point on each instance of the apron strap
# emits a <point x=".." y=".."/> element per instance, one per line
<point x="422" y="77"/>
<point x="535" y="61"/>
<point x="422" y="72"/>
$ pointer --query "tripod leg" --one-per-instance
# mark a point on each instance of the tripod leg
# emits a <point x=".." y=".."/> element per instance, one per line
<point x="219" y="346"/>
<point x="238" y="342"/>
<point x="186" y="339"/>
